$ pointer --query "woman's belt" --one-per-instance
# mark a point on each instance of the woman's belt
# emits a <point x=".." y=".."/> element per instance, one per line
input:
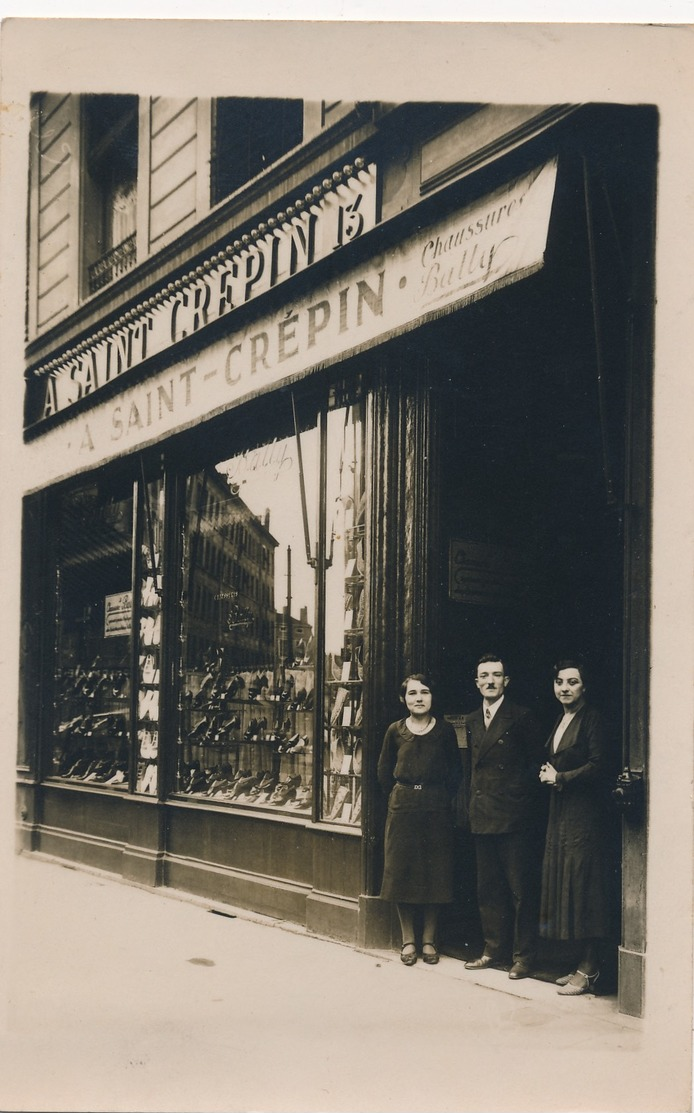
<point x="420" y="785"/>
<point x="418" y="796"/>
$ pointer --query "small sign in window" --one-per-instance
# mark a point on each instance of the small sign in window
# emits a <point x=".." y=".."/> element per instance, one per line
<point x="117" y="612"/>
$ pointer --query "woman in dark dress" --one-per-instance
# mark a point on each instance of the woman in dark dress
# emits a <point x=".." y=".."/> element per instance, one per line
<point x="419" y="770"/>
<point x="574" y="891"/>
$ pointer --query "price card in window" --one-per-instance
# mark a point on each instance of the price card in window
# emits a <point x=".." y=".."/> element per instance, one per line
<point x="117" y="611"/>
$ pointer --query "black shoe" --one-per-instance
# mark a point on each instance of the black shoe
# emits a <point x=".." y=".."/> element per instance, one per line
<point x="519" y="970"/>
<point x="430" y="958"/>
<point x="481" y="963"/>
<point x="199" y="730"/>
<point x="410" y="958"/>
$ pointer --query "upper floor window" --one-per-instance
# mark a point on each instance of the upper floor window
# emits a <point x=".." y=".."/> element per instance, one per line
<point x="250" y="133"/>
<point x="110" y="186"/>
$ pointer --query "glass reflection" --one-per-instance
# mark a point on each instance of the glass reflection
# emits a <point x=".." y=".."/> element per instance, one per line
<point x="247" y="641"/>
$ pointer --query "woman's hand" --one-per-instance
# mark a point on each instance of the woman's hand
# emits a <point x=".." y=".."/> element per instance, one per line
<point x="548" y="774"/>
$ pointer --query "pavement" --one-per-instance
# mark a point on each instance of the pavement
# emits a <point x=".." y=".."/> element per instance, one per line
<point x="120" y="998"/>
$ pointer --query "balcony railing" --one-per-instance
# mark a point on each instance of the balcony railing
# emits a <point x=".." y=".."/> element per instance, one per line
<point x="111" y="265"/>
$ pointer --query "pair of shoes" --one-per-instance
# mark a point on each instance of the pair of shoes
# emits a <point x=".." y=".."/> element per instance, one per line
<point x="430" y="958"/>
<point x="480" y="963"/>
<point x="565" y="979"/>
<point x="410" y="958"/>
<point x="573" y="989"/>
<point x="519" y="970"/>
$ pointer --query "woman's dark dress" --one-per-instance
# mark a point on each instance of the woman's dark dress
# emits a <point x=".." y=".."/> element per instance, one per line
<point x="574" y="891"/>
<point x="419" y="848"/>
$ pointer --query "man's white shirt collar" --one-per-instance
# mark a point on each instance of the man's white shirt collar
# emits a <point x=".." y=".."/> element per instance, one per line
<point x="492" y="708"/>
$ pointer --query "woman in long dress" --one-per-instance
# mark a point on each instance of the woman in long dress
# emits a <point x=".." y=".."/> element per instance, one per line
<point x="419" y="769"/>
<point x="574" y="903"/>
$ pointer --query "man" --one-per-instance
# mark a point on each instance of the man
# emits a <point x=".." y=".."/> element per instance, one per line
<point x="506" y="809"/>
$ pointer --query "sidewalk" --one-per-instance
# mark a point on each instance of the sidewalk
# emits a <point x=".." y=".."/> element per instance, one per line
<point x="128" y="999"/>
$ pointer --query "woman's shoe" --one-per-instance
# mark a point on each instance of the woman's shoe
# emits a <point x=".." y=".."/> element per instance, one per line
<point x="430" y="958"/>
<point x="573" y="989"/>
<point x="410" y="958"/>
<point x="566" y="979"/>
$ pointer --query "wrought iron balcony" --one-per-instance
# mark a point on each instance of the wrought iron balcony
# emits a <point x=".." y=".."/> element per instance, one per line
<point x="111" y="265"/>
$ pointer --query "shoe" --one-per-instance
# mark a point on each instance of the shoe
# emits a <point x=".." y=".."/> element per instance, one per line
<point x="410" y="958"/>
<point x="566" y="979"/>
<point x="282" y="795"/>
<point x="303" y="798"/>
<point x="199" y="730"/>
<point x="430" y="959"/>
<point x="480" y="963"/>
<point x="519" y="970"/>
<point x="243" y="784"/>
<point x="298" y="746"/>
<point x="574" y="990"/>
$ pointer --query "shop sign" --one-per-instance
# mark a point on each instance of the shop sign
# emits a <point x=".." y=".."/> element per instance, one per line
<point x="117" y="614"/>
<point x="486" y="575"/>
<point x="463" y="257"/>
<point x="337" y="213"/>
<point x="458" y="723"/>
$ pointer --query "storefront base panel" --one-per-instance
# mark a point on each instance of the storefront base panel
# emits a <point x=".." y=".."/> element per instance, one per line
<point x="632" y="972"/>
<point x="375" y="925"/>
<point x="336" y="862"/>
<point x="120" y="835"/>
<point x="270" y="896"/>
<point x="26" y="816"/>
<point x="80" y="848"/>
<point x="250" y="843"/>
<point x="333" y="917"/>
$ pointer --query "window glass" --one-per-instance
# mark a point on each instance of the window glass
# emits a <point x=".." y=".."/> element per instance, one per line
<point x="250" y="133"/>
<point x="110" y="186"/>
<point x="246" y="708"/>
<point x="345" y="603"/>
<point x="93" y="641"/>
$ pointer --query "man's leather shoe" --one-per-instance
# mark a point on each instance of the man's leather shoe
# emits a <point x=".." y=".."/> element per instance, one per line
<point x="519" y="970"/>
<point x="480" y="963"/>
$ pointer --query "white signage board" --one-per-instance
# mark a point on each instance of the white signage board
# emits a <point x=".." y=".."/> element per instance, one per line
<point x="460" y="258"/>
<point x="117" y="614"/>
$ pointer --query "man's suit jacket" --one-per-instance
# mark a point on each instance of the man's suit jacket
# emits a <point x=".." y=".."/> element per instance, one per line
<point x="505" y="760"/>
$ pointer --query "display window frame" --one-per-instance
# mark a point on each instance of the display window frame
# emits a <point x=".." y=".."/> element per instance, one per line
<point x="155" y="483"/>
<point x="89" y="706"/>
<point x="287" y="416"/>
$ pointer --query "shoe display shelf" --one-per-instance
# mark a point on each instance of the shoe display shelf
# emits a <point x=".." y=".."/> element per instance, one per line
<point x="148" y="682"/>
<point x="92" y="715"/>
<point x="342" y="775"/>
<point x="244" y="741"/>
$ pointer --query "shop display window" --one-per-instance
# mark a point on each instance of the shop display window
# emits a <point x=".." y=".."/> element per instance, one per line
<point x="92" y="692"/>
<point x="344" y="628"/>
<point x="265" y="620"/>
<point x="247" y="665"/>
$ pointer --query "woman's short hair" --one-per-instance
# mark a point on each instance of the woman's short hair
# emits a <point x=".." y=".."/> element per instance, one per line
<point x="571" y="663"/>
<point x="419" y="676"/>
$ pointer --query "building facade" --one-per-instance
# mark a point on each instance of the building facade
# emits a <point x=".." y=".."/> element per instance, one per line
<point x="318" y="394"/>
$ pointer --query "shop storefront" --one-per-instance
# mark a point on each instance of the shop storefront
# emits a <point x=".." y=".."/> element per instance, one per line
<point x="399" y="418"/>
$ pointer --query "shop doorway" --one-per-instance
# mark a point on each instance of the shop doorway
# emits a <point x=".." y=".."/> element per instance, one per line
<point x="531" y="522"/>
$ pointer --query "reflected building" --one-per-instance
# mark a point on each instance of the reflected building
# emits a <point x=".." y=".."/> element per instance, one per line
<point x="230" y="576"/>
<point x="294" y="637"/>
